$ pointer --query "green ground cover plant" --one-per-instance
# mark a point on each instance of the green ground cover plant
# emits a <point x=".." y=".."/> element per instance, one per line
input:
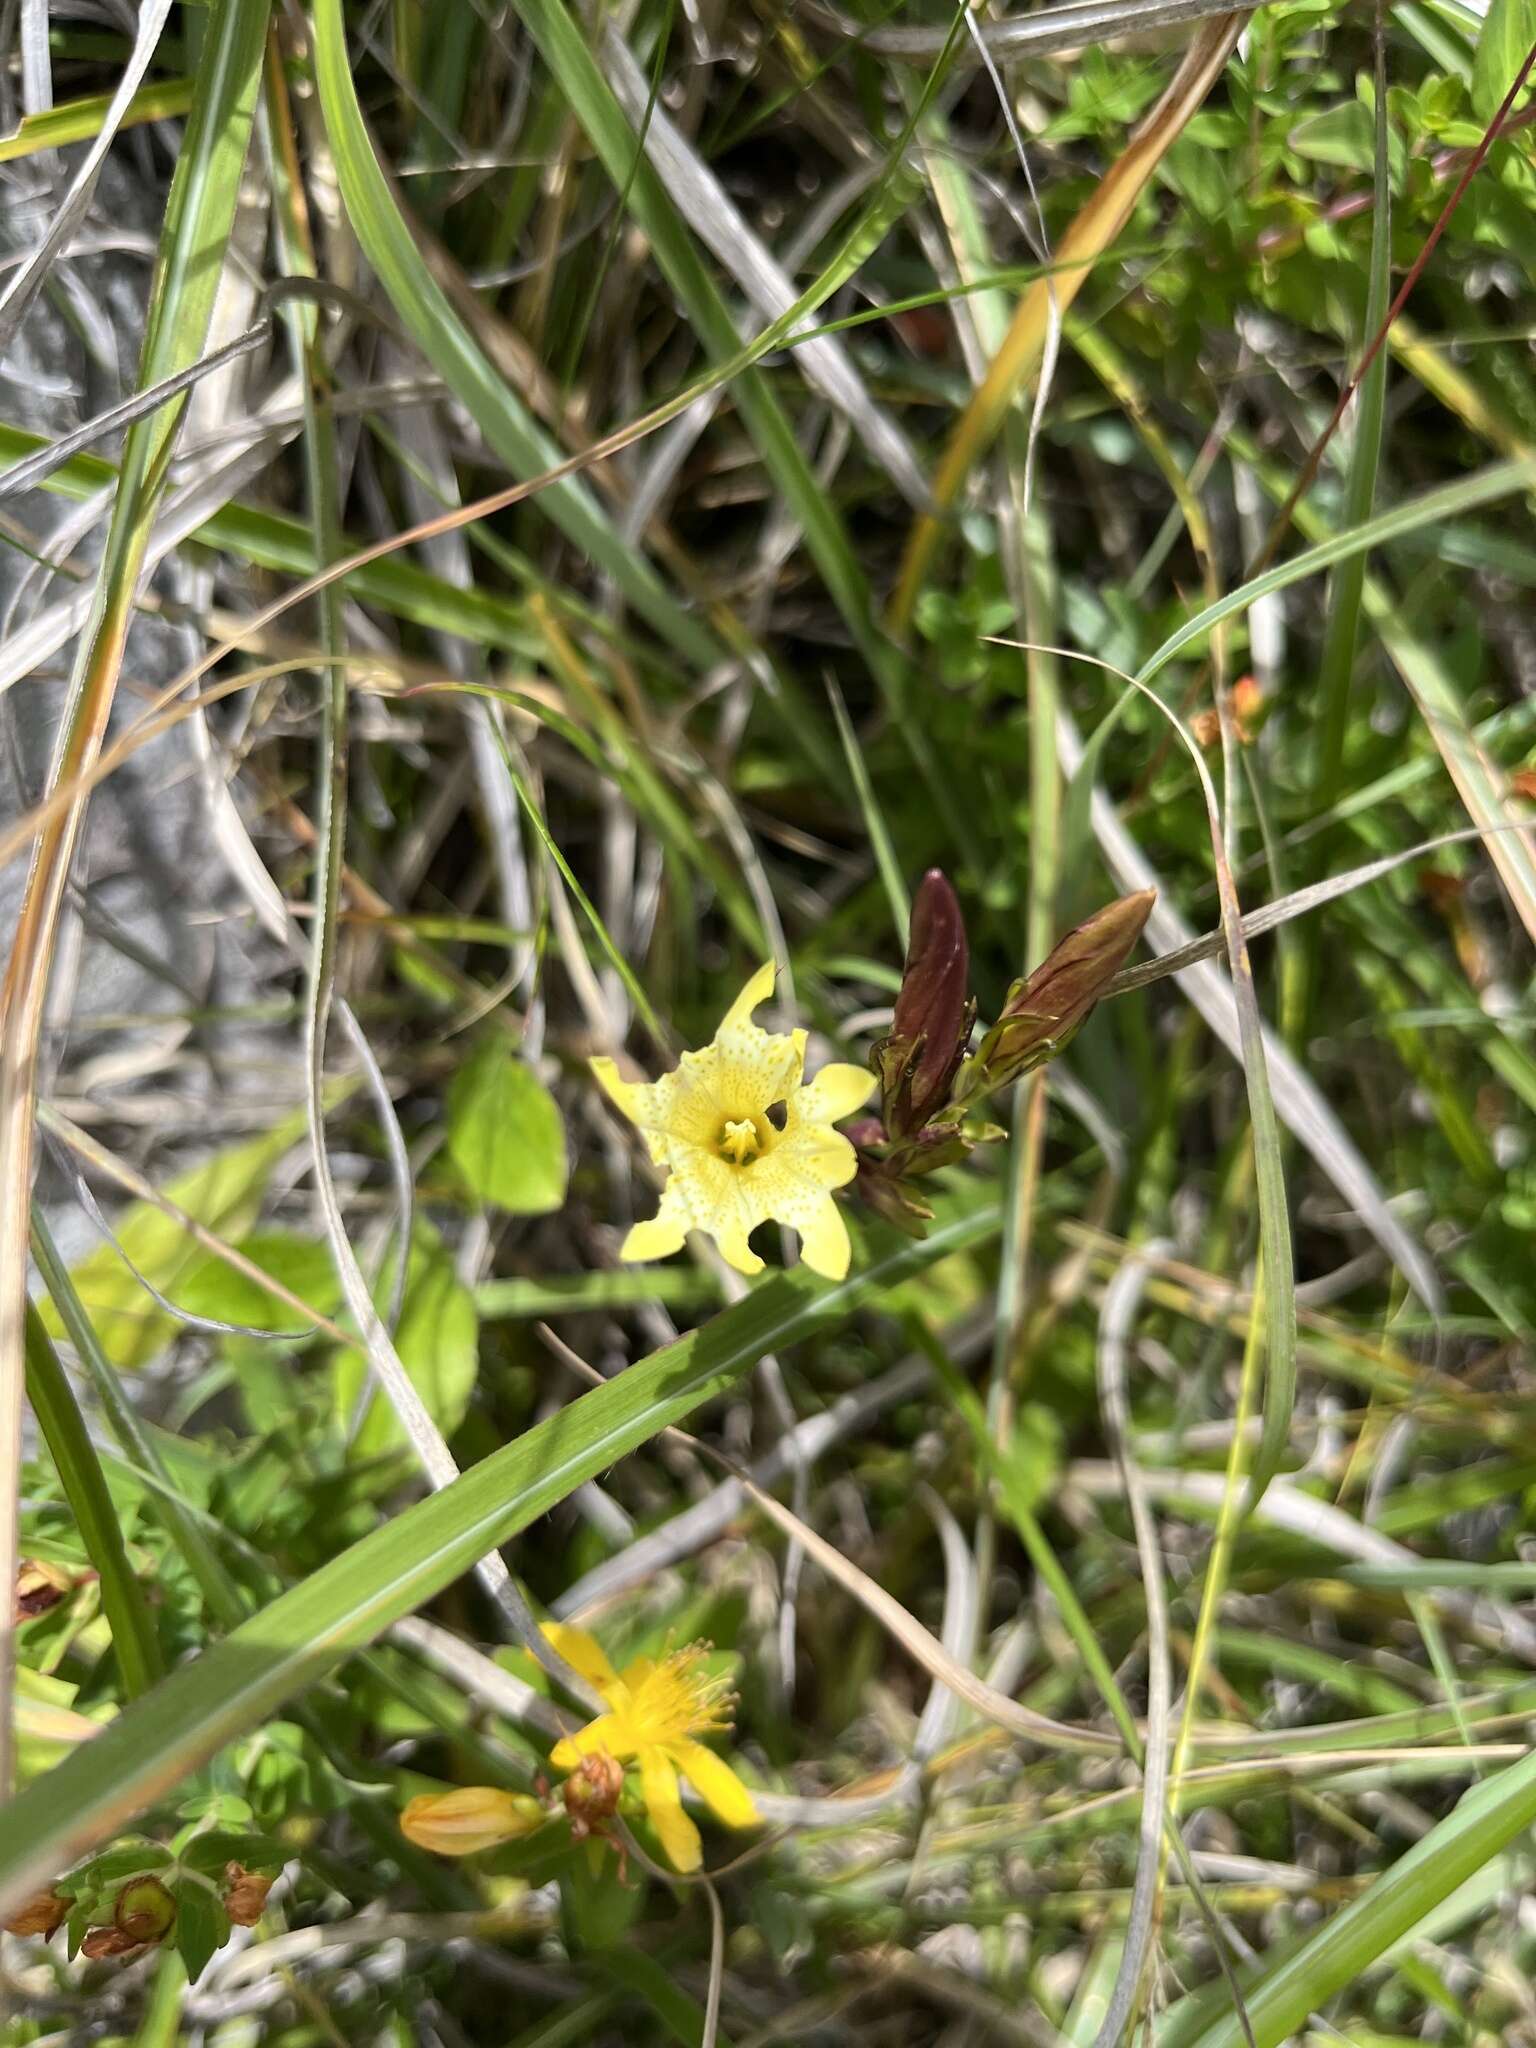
<point x="765" y="1051"/>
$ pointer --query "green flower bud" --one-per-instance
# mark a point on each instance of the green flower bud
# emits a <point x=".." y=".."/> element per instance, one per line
<point x="145" y="1911"/>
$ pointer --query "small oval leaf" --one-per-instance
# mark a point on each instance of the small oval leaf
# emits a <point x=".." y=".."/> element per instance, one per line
<point x="1503" y="43"/>
<point x="505" y="1133"/>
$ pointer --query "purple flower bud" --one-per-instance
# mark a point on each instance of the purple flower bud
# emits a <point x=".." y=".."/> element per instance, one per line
<point x="932" y="1025"/>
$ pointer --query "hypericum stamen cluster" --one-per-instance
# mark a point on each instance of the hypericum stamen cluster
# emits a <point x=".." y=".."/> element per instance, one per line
<point x="658" y="1707"/>
<point x="676" y="1698"/>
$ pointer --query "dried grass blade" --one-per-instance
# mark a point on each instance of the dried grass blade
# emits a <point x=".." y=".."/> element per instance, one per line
<point x="1121" y="1299"/>
<point x="1090" y="234"/>
<point x="704" y="203"/>
<point x="919" y="1645"/>
<point x="28" y="281"/>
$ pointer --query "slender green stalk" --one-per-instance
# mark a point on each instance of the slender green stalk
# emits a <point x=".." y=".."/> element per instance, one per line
<point x="223" y="1596"/>
<point x="85" y="1488"/>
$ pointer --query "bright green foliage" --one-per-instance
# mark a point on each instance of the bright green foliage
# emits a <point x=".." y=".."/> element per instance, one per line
<point x="505" y="1133"/>
<point x="1180" y="1384"/>
<point x="437" y="1339"/>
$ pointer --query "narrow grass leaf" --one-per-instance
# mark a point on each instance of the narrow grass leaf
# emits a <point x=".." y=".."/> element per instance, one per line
<point x="425" y="311"/>
<point x="1094" y="228"/>
<point x="1483" y="1823"/>
<point x="90" y="1501"/>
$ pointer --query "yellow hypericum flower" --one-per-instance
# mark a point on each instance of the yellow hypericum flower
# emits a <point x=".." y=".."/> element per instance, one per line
<point x="745" y="1142"/>
<point x="657" y="1708"/>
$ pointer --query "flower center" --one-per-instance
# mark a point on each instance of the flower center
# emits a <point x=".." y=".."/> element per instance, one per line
<point x="677" y="1700"/>
<point x="740" y="1141"/>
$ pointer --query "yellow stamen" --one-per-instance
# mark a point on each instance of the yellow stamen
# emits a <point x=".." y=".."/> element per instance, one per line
<point x="739" y="1141"/>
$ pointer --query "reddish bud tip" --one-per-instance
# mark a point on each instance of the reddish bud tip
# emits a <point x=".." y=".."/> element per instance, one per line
<point x="101" y="1942"/>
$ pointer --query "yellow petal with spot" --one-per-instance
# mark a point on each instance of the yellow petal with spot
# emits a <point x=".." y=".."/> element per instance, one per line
<point x="824" y="1245"/>
<point x="816" y="1155"/>
<point x="656" y="1238"/>
<point x="621" y="1093"/>
<point x="757" y="990"/>
<point x="731" y="1236"/>
<point x="837" y="1091"/>
<point x="716" y="1784"/>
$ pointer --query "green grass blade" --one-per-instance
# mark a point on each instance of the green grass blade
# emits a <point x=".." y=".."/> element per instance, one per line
<point x="85" y="1488"/>
<point x="424" y="309"/>
<point x="1337" y="663"/>
<point x="79" y="120"/>
<point x="219" y="1590"/>
<point x="1430" y="508"/>
<point x="1484" y="1822"/>
<point x="273" y="541"/>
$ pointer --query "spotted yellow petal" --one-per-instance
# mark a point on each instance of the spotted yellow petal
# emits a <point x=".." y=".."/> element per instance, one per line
<point x="627" y="1096"/>
<point x="730" y="1234"/>
<point x="744" y="1068"/>
<point x="657" y="1237"/>
<point x="716" y="1784"/>
<point x="837" y="1091"/>
<point x="757" y="990"/>
<point x="816" y="1155"/>
<point x="582" y="1651"/>
<point x="658" y="1787"/>
<point x="824" y="1245"/>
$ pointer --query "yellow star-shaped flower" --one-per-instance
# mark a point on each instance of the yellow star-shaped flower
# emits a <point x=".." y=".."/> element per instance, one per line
<point x="657" y="1708"/>
<point x="745" y="1141"/>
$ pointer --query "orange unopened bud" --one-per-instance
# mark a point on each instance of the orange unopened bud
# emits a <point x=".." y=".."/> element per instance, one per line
<point x="145" y="1911"/>
<point x="1248" y="707"/>
<point x="592" y="1792"/>
<point x="246" y="1897"/>
<point x="473" y="1818"/>
<point x="42" y="1915"/>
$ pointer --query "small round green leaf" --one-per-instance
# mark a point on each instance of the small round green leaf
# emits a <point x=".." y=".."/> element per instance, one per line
<point x="505" y="1133"/>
